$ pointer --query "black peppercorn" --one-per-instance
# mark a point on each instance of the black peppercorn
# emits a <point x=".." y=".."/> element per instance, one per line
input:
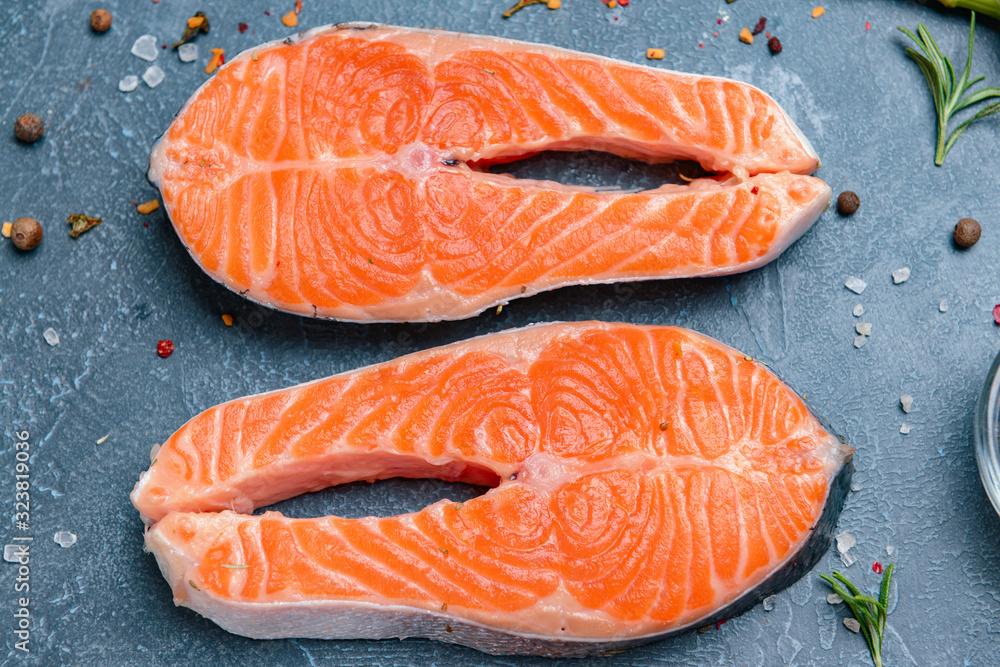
<point x="26" y="233"/>
<point x="967" y="232"/>
<point x="100" y="20"/>
<point x="848" y="202"/>
<point x="774" y="45"/>
<point x="29" y="128"/>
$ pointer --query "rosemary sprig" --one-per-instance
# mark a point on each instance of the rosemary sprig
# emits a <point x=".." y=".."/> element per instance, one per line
<point x="869" y="612"/>
<point x="949" y="90"/>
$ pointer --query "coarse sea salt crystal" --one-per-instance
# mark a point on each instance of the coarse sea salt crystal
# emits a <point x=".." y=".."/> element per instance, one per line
<point x="889" y="549"/>
<point x="845" y="542"/>
<point x="859" y="341"/>
<point x="64" y="538"/>
<point x="901" y="275"/>
<point x="146" y="47"/>
<point x="863" y="328"/>
<point x="51" y="337"/>
<point x="15" y="553"/>
<point x="943" y="306"/>
<point x="833" y="598"/>
<point x="187" y="52"/>
<point x="906" y="401"/>
<point x="859" y="310"/>
<point x="856" y="285"/>
<point x="904" y="429"/>
<point x="153" y="76"/>
<point x="856" y="487"/>
<point x="848" y="559"/>
<point x="128" y="83"/>
<point x="852" y="624"/>
<point x="769" y="602"/>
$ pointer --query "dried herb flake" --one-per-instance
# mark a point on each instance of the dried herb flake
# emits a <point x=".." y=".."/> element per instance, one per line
<point x="195" y="25"/>
<point x="521" y="4"/>
<point x="81" y="223"/>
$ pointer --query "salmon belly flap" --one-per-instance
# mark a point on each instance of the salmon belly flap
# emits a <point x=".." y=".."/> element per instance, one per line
<point x="646" y="479"/>
<point x="341" y="175"/>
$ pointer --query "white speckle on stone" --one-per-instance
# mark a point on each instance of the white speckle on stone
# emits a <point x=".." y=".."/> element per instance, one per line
<point x="769" y="602"/>
<point x="848" y="559"/>
<point x="856" y="285"/>
<point x="833" y="598"/>
<point x="852" y="624"/>
<point x="51" y="337"/>
<point x="863" y="328"/>
<point x="901" y="275"/>
<point x="859" y="310"/>
<point x="64" y="538"/>
<point x="859" y="341"/>
<point x="943" y="306"/>
<point x="906" y="401"/>
<point x="128" y="83"/>
<point x="904" y="429"/>
<point x="187" y="52"/>
<point x="153" y="76"/>
<point x="15" y="553"/>
<point x="845" y="542"/>
<point x="889" y="549"/>
<point x="146" y="47"/>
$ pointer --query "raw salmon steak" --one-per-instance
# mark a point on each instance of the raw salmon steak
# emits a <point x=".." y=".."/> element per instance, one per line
<point x="647" y="480"/>
<point x="342" y="174"/>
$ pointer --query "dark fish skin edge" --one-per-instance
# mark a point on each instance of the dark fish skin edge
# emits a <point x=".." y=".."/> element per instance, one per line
<point x="496" y="642"/>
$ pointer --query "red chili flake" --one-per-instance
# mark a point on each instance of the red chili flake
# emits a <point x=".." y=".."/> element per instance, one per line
<point x="715" y="34"/>
<point x="145" y="224"/>
<point x="267" y="13"/>
<point x="719" y="21"/>
<point x="623" y="3"/>
<point x="243" y="27"/>
<point x="298" y="6"/>
<point x="134" y="202"/>
<point x="721" y="623"/>
<point x="701" y="46"/>
<point x="165" y="348"/>
<point x="868" y="26"/>
<point x="754" y="190"/>
<point x="759" y="28"/>
<point x="996" y="314"/>
<point x="877" y="568"/>
<point x="774" y="45"/>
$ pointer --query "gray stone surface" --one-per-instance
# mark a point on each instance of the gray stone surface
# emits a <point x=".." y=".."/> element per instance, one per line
<point x="114" y="292"/>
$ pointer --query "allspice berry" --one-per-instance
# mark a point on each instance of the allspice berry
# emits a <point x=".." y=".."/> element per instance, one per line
<point x="26" y="234"/>
<point x="100" y="20"/>
<point x="848" y="202"/>
<point x="29" y="128"/>
<point x="967" y="232"/>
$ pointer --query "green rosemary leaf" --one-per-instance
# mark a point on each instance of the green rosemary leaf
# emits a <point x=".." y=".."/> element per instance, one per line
<point x="883" y="596"/>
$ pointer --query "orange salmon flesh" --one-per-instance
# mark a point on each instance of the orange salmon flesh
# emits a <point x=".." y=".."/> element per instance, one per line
<point x="341" y="174"/>
<point x="645" y="480"/>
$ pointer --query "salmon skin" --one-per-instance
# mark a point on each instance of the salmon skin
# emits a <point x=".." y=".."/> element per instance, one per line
<point x="647" y="480"/>
<point x="340" y="174"/>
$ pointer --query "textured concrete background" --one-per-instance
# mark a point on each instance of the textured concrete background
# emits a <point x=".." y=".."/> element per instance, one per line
<point x="114" y="292"/>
